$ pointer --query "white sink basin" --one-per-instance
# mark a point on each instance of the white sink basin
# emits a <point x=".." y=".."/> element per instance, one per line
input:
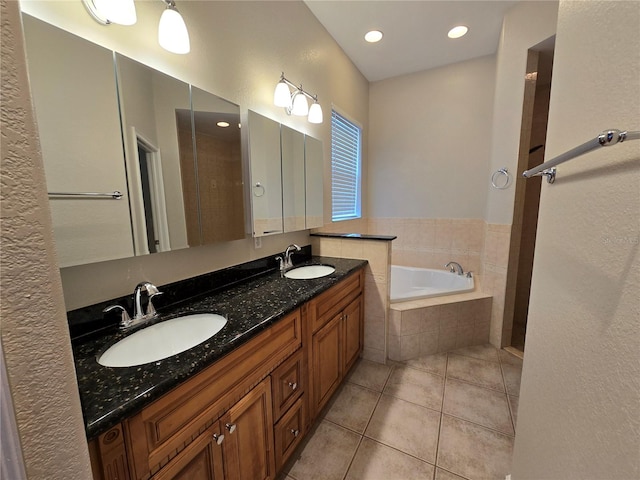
<point x="310" y="271"/>
<point x="162" y="340"/>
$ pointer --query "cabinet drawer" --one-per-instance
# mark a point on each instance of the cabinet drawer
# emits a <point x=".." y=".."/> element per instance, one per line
<point x="288" y="432"/>
<point x="287" y="384"/>
<point x="325" y="306"/>
<point x="172" y="422"/>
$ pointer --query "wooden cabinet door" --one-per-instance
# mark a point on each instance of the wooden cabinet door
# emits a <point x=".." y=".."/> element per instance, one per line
<point x="353" y="332"/>
<point x="248" y="444"/>
<point x="327" y="362"/>
<point x="201" y="460"/>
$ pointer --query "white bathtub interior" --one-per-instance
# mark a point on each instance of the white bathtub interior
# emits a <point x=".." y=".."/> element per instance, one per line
<point x="414" y="283"/>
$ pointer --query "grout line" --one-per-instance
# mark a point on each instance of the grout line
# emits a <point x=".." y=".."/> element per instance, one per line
<point x="444" y="391"/>
<point x="346" y="472"/>
<point x="479" y="424"/>
<point x="481" y="386"/>
<point x="398" y="450"/>
<point x="454" y="473"/>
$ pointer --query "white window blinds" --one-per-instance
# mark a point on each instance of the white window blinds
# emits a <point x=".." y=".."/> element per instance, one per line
<point x="345" y="168"/>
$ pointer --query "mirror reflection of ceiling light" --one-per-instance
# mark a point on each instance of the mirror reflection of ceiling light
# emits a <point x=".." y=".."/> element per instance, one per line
<point x="222" y="124"/>
<point x="106" y="12"/>
<point x="296" y="103"/>
<point x="373" y="36"/>
<point x="457" y="32"/>
<point x="172" y="31"/>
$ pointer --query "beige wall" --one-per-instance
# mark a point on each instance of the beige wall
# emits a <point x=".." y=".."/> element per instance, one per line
<point x="430" y="142"/>
<point x="35" y="339"/>
<point x="578" y="413"/>
<point x="525" y="25"/>
<point x="238" y="50"/>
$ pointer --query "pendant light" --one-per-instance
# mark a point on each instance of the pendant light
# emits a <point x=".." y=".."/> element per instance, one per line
<point x="172" y="31"/>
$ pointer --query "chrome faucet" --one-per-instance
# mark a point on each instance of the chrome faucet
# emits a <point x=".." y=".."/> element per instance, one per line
<point x="152" y="291"/>
<point x="285" y="260"/>
<point x="139" y="315"/>
<point x="454" y="267"/>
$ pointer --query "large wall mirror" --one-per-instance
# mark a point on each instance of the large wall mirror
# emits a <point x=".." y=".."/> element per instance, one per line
<point x="180" y="174"/>
<point x="286" y="178"/>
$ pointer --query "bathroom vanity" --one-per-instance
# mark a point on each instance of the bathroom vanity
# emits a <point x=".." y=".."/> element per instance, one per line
<point x="237" y="405"/>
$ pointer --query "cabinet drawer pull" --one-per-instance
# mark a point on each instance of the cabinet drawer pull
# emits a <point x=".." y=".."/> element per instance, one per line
<point x="231" y="427"/>
<point x="218" y="438"/>
<point x="293" y="385"/>
<point x="295" y="433"/>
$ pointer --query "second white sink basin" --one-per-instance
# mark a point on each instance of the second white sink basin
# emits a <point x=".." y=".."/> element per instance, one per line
<point x="162" y="340"/>
<point x="310" y="271"/>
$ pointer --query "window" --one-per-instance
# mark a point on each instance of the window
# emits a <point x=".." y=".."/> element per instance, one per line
<point x="345" y="168"/>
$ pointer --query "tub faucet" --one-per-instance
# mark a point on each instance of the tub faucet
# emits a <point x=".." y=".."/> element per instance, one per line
<point x="454" y="267"/>
<point x="287" y="256"/>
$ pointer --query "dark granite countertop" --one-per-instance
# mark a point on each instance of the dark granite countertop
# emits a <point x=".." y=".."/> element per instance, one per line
<point x="359" y="236"/>
<point x="110" y="395"/>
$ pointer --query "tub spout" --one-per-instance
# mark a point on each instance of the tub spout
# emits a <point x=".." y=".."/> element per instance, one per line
<point x="454" y="267"/>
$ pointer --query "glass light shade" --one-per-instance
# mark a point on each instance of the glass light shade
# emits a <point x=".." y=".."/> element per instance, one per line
<point x="300" y="105"/>
<point x="282" y="95"/>
<point x="122" y="12"/>
<point x="172" y="32"/>
<point x="315" y="113"/>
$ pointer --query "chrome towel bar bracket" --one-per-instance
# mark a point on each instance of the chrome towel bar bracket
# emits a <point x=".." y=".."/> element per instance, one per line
<point x="605" y="139"/>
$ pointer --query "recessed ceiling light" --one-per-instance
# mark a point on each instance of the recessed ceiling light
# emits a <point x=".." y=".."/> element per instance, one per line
<point x="223" y="124"/>
<point x="457" y="32"/>
<point x="373" y="36"/>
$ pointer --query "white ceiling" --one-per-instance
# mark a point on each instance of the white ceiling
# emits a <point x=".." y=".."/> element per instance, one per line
<point x="415" y="32"/>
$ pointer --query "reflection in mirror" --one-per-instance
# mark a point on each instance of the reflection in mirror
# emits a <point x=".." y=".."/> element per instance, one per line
<point x="266" y="180"/>
<point x="314" y="174"/>
<point x="218" y="161"/>
<point x="148" y="101"/>
<point x="74" y="91"/>
<point x="293" y="182"/>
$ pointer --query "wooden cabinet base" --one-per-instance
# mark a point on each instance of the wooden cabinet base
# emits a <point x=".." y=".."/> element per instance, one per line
<point x="243" y="417"/>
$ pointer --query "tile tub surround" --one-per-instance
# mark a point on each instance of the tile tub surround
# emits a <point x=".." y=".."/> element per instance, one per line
<point x="431" y="418"/>
<point x="432" y="242"/>
<point x="109" y="395"/>
<point x="376" y="249"/>
<point x="495" y="262"/>
<point x="475" y="244"/>
<point x="439" y="324"/>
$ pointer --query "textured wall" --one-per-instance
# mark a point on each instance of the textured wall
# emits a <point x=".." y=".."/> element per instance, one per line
<point x="580" y="398"/>
<point x="35" y="336"/>
<point x="525" y="25"/>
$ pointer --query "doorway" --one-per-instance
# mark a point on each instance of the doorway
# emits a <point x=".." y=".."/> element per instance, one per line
<point x="533" y="134"/>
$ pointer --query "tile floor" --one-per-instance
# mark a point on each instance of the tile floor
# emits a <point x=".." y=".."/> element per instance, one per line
<point x="448" y="416"/>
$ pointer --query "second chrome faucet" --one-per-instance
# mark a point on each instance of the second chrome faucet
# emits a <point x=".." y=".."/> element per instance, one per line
<point x="285" y="260"/>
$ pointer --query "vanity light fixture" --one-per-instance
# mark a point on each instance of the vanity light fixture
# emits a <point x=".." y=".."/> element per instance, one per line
<point x="172" y="31"/>
<point x="222" y="124"/>
<point x="106" y="12"/>
<point x="296" y="103"/>
<point x="457" y="32"/>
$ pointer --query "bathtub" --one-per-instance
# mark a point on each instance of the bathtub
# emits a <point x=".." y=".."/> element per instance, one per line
<point x="409" y="283"/>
